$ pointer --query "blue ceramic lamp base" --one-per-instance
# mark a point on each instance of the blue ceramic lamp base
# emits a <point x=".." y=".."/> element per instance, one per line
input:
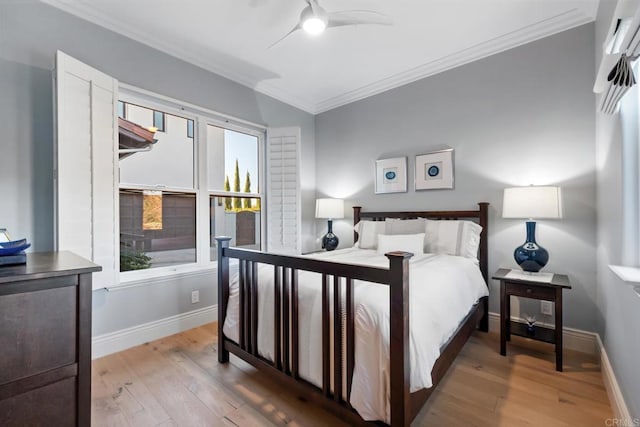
<point x="531" y="256"/>
<point x="330" y="240"/>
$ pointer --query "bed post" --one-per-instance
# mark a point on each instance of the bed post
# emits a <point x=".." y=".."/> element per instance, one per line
<point x="484" y="256"/>
<point x="356" y="219"/>
<point x="399" y="356"/>
<point x="484" y="261"/>
<point x="223" y="294"/>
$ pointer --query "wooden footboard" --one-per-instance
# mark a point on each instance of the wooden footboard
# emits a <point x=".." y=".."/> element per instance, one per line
<point x="336" y="277"/>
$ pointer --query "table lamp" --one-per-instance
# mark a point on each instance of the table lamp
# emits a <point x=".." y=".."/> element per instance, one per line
<point x="531" y="202"/>
<point x="330" y="209"/>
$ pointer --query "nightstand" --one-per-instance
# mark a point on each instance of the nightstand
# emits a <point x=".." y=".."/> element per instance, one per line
<point x="522" y="286"/>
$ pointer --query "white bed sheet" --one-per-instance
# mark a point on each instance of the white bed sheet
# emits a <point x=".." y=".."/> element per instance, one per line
<point x="443" y="289"/>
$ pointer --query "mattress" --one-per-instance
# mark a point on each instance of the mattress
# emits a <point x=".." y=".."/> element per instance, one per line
<point x="443" y="290"/>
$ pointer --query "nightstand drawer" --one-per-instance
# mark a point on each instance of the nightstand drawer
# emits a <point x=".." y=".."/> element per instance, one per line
<point x="530" y="291"/>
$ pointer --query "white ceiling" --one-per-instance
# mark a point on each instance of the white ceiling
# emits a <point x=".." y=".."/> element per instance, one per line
<point x="344" y="64"/>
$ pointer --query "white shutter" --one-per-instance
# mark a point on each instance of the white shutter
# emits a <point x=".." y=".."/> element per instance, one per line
<point x="283" y="190"/>
<point x="85" y="167"/>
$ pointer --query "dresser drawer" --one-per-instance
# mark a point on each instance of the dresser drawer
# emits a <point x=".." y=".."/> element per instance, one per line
<point x="37" y="332"/>
<point x="530" y="291"/>
<point x="51" y="405"/>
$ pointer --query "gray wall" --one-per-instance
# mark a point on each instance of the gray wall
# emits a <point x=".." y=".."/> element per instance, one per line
<point x="30" y="34"/>
<point x="520" y="117"/>
<point x="524" y="116"/>
<point x="618" y="310"/>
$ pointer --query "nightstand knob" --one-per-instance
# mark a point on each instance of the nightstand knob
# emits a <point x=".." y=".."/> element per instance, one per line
<point x="529" y="290"/>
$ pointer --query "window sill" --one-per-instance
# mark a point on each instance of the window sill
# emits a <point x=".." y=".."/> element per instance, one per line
<point x="630" y="275"/>
<point x="132" y="279"/>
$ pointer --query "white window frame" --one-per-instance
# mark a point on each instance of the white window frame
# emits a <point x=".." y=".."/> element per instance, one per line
<point x="261" y="171"/>
<point x="202" y="117"/>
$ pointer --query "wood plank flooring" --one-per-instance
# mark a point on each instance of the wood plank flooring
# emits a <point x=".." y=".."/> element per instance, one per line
<point x="177" y="381"/>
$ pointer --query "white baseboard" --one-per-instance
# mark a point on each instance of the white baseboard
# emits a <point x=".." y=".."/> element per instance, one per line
<point x="573" y="339"/>
<point x="619" y="406"/>
<point x="113" y="342"/>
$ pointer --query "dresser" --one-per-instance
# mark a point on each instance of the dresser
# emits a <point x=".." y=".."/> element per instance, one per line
<point x="45" y="341"/>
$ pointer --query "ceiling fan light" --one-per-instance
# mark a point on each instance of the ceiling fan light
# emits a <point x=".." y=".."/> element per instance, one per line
<point x="314" y="25"/>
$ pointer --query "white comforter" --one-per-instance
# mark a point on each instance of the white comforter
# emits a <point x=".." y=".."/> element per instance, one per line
<point x="443" y="289"/>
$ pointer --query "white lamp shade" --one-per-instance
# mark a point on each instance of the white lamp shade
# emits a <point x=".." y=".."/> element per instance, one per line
<point x="532" y="202"/>
<point x="329" y="208"/>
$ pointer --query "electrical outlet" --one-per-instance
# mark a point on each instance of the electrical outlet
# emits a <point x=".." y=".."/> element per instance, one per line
<point x="546" y="307"/>
<point x="195" y="297"/>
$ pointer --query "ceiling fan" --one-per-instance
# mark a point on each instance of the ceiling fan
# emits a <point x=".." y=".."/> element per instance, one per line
<point x="314" y="19"/>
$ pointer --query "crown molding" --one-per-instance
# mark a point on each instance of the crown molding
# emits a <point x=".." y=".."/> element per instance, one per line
<point x="536" y="31"/>
<point x="544" y="28"/>
<point x="87" y="12"/>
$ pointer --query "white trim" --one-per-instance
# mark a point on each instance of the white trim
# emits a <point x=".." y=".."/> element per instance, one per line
<point x="155" y="276"/>
<point x="573" y="339"/>
<point x="538" y="30"/>
<point x="619" y="406"/>
<point x="130" y="93"/>
<point x="629" y="275"/>
<point x="114" y="342"/>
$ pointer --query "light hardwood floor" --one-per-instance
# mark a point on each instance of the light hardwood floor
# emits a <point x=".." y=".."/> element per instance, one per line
<point x="177" y="381"/>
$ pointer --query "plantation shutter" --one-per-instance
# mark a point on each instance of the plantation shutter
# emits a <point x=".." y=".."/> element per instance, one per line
<point x="85" y="157"/>
<point x="283" y="190"/>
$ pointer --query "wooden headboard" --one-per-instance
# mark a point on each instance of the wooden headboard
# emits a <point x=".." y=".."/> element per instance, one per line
<point x="480" y="215"/>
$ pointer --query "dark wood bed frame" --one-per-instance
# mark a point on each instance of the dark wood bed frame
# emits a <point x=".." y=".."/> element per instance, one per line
<point x="285" y="368"/>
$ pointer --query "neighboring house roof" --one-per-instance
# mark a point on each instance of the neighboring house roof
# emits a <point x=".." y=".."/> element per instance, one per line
<point x="133" y="136"/>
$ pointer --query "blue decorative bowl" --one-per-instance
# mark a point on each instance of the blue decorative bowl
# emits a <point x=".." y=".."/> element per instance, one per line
<point x="13" y="247"/>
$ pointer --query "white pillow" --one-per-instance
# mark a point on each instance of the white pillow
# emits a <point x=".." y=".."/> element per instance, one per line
<point x="368" y="233"/>
<point x="453" y="238"/>
<point x="404" y="226"/>
<point x="401" y="242"/>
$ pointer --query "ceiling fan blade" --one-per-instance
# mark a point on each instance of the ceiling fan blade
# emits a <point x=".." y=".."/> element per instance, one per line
<point x="293" y="30"/>
<point x="357" y="17"/>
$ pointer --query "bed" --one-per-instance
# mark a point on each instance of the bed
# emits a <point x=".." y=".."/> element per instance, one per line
<point x="267" y="316"/>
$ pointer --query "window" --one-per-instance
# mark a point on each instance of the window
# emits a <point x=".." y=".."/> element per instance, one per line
<point x="630" y="171"/>
<point x="157" y="196"/>
<point x="168" y="217"/>
<point x="126" y="192"/>
<point x="158" y="121"/>
<point x="166" y="237"/>
<point x="237" y="215"/>
<point x="189" y="128"/>
<point x="122" y="110"/>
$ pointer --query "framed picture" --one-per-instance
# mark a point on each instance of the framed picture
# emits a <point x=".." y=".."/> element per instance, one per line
<point x="434" y="170"/>
<point x="391" y="175"/>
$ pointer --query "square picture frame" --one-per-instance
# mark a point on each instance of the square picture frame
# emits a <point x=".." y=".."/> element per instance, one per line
<point x="391" y="175"/>
<point x="434" y="170"/>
